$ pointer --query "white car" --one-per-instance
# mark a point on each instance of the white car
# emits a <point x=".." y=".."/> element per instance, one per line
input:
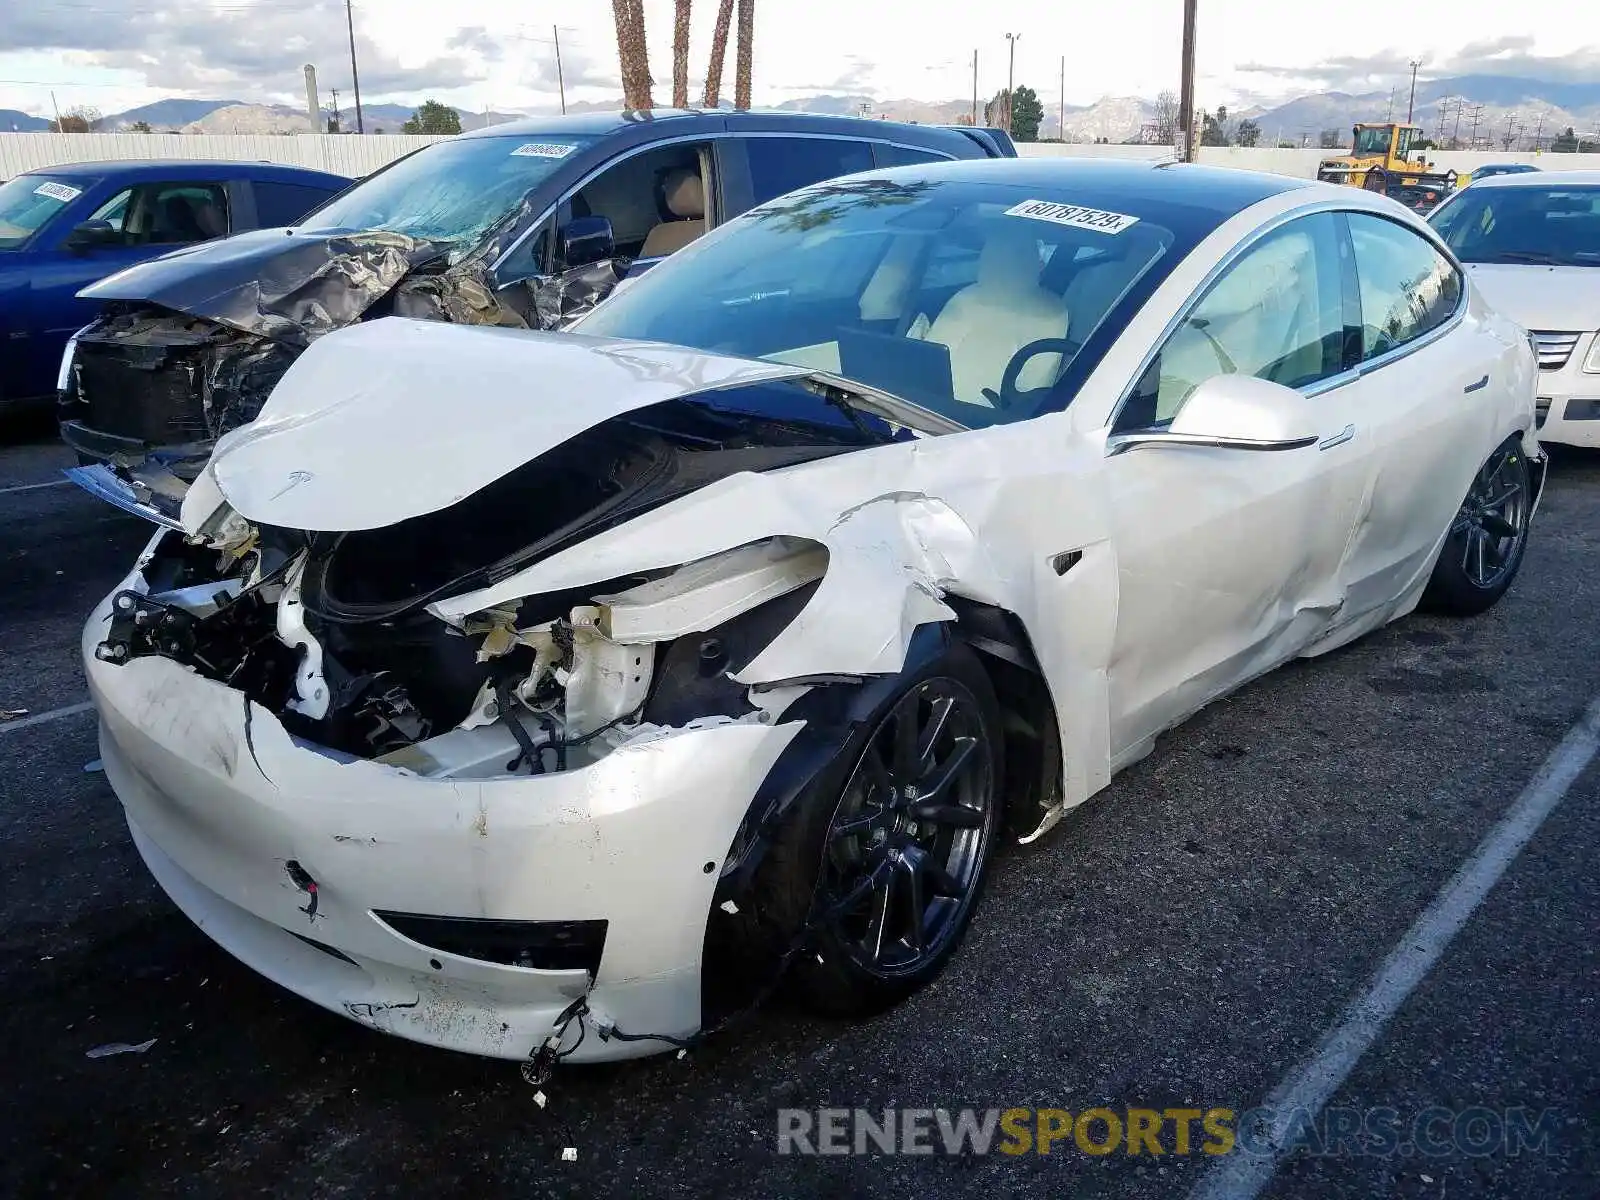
<point x="510" y="691"/>
<point x="1531" y="244"/>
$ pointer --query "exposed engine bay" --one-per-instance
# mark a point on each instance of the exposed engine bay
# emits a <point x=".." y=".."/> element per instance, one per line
<point x="332" y="633"/>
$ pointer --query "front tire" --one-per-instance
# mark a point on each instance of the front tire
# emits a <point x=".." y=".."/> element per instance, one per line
<point x="1484" y="549"/>
<point x="888" y="870"/>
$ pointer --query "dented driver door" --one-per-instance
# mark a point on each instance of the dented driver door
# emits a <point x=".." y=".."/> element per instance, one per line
<point x="1228" y="559"/>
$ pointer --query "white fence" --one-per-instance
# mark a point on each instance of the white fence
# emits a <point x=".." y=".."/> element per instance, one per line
<point x="354" y="155"/>
<point x="341" y="154"/>
<point x="1303" y="163"/>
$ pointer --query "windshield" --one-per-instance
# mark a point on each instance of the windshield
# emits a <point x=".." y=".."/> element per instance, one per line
<point x="28" y="202"/>
<point x="971" y="300"/>
<point x="452" y="191"/>
<point x="1540" y="226"/>
<point x="1372" y="141"/>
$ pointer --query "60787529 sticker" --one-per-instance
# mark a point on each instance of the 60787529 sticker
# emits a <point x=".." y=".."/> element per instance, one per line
<point x="1074" y="215"/>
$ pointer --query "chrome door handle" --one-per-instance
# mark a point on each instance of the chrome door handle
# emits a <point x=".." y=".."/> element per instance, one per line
<point x="1338" y="439"/>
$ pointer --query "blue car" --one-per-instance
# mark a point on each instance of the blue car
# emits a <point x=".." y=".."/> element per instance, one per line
<point x="63" y="228"/>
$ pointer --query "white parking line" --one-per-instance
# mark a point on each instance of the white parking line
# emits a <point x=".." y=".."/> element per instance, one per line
<point x="1241" y="1176"/>
<point x="32" y="487"/>
<point x="55" y="714"/>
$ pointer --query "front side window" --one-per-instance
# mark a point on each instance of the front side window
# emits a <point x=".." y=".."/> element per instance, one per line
<point x="161" y="214"/>
<point x="1407" y="287"/>
<point x="1372" y="141"/>
<point x="1538" y="226"/>
<point x="969" y="299"/>
<point x="114" y="212"/>
<point x="29" y="202"/>
<point x="1275" y="313"/>
<point x="450" y="191"/>
<point x="175" y="214"/>
<point x="782" y="164"/>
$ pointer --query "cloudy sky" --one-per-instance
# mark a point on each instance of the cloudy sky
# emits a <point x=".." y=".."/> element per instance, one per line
<point x="114" y="54"/>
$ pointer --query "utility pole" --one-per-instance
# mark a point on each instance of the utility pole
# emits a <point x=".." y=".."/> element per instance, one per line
<point x="1061" y="123"/>
<point x="57" y="107"/>
<point x="1455" y="136"/>
<point x="1011" y="80"/>
<point x="1538" y="131"/>
<point x="1411" y="104"/>
<point x="336" y="126"/>
<point x="1388" y="117"/>
<point x="1472" y="138"/>
<point x="974" y="89"/>
<point x="350" y="24"/>
<point x="561" y="84"/>
<point x="1186" y="86"/>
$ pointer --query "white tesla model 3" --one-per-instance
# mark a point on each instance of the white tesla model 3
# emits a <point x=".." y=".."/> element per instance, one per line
<point x="503" y="690"/>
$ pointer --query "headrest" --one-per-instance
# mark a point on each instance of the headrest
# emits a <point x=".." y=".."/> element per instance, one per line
<point x="684" y="196"/>
<point x="1010" y="255"/>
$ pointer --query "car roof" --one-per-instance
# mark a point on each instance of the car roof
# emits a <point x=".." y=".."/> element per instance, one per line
<point x="1541" y="179"/>
<point x="676" y="121"/>
<point x="1216" y="190"/>
<point x="168" y="168"/>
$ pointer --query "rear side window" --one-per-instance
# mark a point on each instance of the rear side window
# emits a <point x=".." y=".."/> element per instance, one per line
<point x="1408" y="289"/>
<point x="904" y="156"/>
<point x="781" y="164"/>
<point x="285" y="203"/>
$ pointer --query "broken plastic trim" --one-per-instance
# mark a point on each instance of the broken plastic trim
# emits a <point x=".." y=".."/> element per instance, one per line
<point x="103" y="484"/>
<point x="534" y="945"/>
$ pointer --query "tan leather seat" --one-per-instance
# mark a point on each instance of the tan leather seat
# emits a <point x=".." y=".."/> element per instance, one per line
<point x="986" y="323"/>
<point x="686" y="200"/>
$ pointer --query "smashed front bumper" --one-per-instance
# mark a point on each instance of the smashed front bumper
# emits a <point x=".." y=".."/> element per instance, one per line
<point x="235" y="818"/>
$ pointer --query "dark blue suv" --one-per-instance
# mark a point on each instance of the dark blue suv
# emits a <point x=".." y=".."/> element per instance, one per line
<point x="62" y="228"/>
<point x="525" y="224"/>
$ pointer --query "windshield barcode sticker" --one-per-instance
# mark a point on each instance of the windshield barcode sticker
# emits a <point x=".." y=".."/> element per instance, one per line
<point x="1074" y="215"/>
<point x="58" y="191"/>
<point x="543" y="150"/>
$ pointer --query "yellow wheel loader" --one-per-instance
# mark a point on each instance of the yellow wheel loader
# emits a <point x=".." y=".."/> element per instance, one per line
<point x="1383" y="158"/>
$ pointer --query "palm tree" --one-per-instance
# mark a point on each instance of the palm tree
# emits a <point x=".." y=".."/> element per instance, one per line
<point x="632" y="53"/>
<point x="744" y="53"/>
<point x="719" y="53"/>
<point x="680" y="55"/>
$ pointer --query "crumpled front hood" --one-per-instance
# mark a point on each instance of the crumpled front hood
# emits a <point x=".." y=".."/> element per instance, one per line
<point x="284" y="284"/>
<point x="1554" y="298"/>
<point x="395" y="418"/>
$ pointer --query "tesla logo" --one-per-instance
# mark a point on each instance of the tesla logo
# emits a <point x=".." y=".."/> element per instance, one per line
<point x="296" y="478"/>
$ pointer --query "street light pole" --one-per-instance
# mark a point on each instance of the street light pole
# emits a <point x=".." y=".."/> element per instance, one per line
<point x="350" y="24"/>
<point x="561" y="83"/>
<point x="1411" y="104"/>
<point x="1011" y="82"/>
<point x="1186" y="86"/>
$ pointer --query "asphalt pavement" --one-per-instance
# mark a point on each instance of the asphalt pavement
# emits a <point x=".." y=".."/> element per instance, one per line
<point x="1186" y="940"/>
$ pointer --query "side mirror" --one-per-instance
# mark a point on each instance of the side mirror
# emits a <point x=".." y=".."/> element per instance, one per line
<point x="90" y="234"/>
<point x="1233" y="412"/>
<point x="587" y="240"/>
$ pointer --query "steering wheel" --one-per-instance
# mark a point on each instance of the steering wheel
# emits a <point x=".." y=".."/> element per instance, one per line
<point x="1009" y="395"/>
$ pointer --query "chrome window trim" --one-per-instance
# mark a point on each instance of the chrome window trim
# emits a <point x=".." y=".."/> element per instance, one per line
<point x="1332" y="382"/>
<point x="681" y="139"/>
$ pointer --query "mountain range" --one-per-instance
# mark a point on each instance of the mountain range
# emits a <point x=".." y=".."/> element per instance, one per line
<point x="1511" y="111"/>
